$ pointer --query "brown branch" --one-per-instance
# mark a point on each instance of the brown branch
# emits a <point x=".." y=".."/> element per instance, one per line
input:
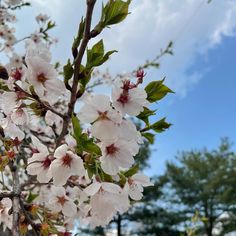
<point x="37" y="99"/>
<point x="77" y="76"/>
<point x="8" y="195"/>
<point x="15" y="199"/>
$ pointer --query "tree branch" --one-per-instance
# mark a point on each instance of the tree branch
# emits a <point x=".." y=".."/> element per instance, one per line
<point x="15" y="199"/>
<point x="77" y="62"/>
<point x="8" y="195"/>
<point x="37" y="99"/>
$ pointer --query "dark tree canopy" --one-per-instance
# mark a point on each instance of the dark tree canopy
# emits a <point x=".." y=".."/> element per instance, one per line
<point x="204" y="181"/>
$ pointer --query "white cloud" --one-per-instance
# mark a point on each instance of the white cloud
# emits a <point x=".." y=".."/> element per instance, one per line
<point x="194" y="26"/>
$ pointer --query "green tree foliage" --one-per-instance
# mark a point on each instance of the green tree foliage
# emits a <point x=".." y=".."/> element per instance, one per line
<point x="204" y="181"/>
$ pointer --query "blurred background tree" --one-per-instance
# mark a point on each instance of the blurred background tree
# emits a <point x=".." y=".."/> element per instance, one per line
<point x="204" y="181"/>
<point x="195" y="196"/>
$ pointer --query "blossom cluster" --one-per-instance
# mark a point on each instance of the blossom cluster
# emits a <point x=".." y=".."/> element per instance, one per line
<point x="7" y="31"/>
<point x="73" y="151"/>
<point x="63" y="171"/>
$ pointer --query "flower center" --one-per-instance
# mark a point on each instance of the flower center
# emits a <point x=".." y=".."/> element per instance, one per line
<point x="20" y="112"/>
<point x="46" y="163"/>
<point x="61" y="200"/>
<point x="103" y="115"/>
<point x="67" y="159"/>
<point x="111" y="149"/>
<point x="124" y="98"/>
<point x="17" y="75"/>
<point x="41" y="78"/>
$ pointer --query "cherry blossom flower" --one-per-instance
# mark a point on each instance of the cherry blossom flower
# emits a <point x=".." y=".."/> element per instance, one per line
<point x="43" y="77"/>
<point x="15" y="61"/>
<point x="5" y="217"/>
<point x="40" y="162"/>
<point x="127" y="99"/>
<point x="66" y="164"/>
<point x="53" y="119"/>
<point x="103" y="117"/>
<point x="11" y="129"/>
<point x="41" y="50"/>
<point x="42" y="18"/>
<point x="84" y="180"/>
<point x="41" y="74"/>
<point x="134" y="186"/>
<point x="13" y="2"/>
<point x="9" y="101"/>
<point x="106" y="200"/>
<point x="59" y="201"/>
<point x="116" y="155"/>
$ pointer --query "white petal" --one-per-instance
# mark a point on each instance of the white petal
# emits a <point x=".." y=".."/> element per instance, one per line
<point x="69" y="208"/>
<point x="38" y="145"/>
<point x="44" y="176"/>
<point x="111" y="188"/>
<point x="87" y="114"/>
<point x="109" y="166"/>
<point x="104" y="130"/>
<point x="61" y="151"/>
<point x="34" y="168"/>
<point x="92" y="188"/>
<point x="142" y="179"/>
<point x="135" y="194"/>
<point x="77" y="167"/>
<point x="60" y="173"/>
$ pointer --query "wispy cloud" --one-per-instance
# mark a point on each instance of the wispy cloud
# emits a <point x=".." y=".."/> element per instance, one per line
<point x="194" y="26"/>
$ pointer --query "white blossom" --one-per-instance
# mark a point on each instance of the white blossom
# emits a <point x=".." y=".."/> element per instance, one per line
<point x="134" y="186"/>
<point x="65" y="164"/>
<point x="59" y="201"/>
<point x="103" y="117"/>
<point x="116" y="155"/>
<point x="129" y="101"/>
<point x="40" y="162"/>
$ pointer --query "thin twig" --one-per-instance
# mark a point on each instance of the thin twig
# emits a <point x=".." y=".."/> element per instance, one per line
<point x="76" y="77"/>
<point x="8" y="195"/>
<point x="37" y="99"/>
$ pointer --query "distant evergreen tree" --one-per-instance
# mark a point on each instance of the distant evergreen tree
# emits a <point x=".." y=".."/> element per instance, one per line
<point x="204" y="181"/>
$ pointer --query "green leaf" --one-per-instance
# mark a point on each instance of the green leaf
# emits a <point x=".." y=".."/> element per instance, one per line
<point x="3" y="86"/>
<point x="149" y="137"/>
<point x="76" y="127"/>
<point x="31" y="197"/>
<point x="145" y="114"/>
<point x="95" y="56"/>
<point x="88" y="145"/>
<point x="122" y="179"/>
<point x="91" y="171"/>
<point x="107" y="55"/>
<point x="160" y="125"/>
<point x="86" y="75"/>
<point x="68" y="71"/>
<point x="80" y="33"/>
<point x="50" y="25"/>
<point x="156" y="90"/>
<point x="133" y="170"/>
<point x="114" y="12"/>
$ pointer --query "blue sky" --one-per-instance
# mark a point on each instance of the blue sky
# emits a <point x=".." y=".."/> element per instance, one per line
<point x="207" y="113"/>
<point x="202" y="71"/>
